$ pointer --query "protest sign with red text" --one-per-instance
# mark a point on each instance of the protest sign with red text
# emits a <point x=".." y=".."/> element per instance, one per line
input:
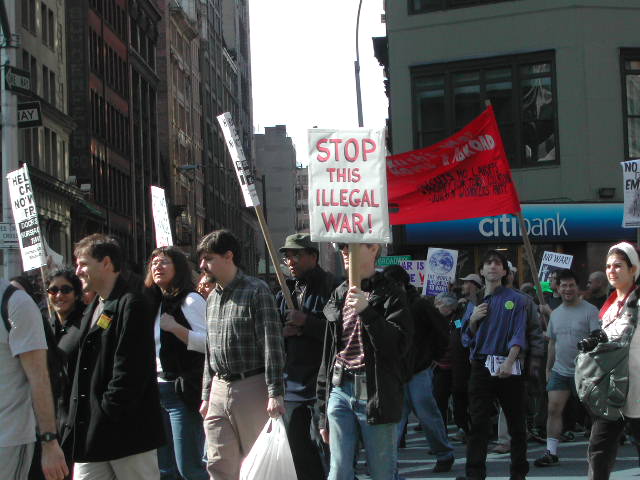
<point x="464" y="176"/>
<point x="347" y="186"/>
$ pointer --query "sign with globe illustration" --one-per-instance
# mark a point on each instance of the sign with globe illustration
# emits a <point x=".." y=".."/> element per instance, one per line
<point x="440" y="270"/>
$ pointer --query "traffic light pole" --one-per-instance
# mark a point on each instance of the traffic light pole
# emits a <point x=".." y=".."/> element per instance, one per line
<point x="8" y="51"/>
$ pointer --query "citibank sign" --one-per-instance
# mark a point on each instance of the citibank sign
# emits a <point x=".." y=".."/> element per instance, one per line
<point x="564" y="222"/>
<point x="509" y="226"/>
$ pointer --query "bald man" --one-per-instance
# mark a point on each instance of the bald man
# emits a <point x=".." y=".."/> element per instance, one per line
<point x="597" y="289"/>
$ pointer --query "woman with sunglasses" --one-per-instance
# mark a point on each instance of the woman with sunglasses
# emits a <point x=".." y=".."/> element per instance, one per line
<point x="180" y="342"/>
<point x="64" y="294"/>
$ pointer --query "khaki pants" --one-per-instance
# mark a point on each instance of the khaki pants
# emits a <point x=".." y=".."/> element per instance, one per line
<point x="236" y="416"/>
<point x="142" y="466"/>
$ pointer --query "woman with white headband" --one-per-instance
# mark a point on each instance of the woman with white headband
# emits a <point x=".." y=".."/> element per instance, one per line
<point x="619" y="316"/>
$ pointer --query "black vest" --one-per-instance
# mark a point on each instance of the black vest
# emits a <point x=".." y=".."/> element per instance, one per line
<point x="175" y="359"/>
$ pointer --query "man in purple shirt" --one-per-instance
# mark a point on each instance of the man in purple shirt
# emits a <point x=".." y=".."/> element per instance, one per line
<point x="495" y="332"/>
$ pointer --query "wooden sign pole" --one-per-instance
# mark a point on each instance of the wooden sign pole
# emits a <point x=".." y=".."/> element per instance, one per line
<point x="530" y="259"/>
<point x="274" y="258"/>
<point x="354" y="265"/>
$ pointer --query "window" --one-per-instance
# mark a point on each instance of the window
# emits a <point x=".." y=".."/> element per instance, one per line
<point x="630" y="63"/>
<point x="29" y="15"/>
<point x="52" y="88"/>
<point x="34" y="75"/>
<point x="51" y="29"/>
<point x="521" y="89"/>
<point x="47" y="25"/>
<point x="43" y="22"/>
<point x="421" y="6"/>
<point x="45" y="83"/>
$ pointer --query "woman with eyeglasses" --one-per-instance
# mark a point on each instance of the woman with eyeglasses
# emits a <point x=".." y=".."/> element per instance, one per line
<point x="180" y="342"/>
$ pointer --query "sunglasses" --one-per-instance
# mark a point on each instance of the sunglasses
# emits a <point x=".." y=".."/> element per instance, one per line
<point x="65" y="290"/>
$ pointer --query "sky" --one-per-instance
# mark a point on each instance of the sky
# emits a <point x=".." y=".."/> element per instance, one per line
<point x="302" y="55"/>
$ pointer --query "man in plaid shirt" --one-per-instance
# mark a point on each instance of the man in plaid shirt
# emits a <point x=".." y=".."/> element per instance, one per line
<point x="244" y="359"/>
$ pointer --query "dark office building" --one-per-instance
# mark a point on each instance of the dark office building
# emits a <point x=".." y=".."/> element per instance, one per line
<point x="112" y="85"/>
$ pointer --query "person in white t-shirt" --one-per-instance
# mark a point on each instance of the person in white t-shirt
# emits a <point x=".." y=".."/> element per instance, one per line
<point x="25" y="387"/>
<point x="572" y="321"/>
<point x="180" y="336"/>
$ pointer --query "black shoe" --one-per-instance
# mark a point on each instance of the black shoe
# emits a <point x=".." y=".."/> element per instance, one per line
<point x="547" y="460"/>
<point x="443" y="465"/>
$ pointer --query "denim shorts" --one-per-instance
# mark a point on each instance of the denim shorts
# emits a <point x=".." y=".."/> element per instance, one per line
<point x="561" y="382"/>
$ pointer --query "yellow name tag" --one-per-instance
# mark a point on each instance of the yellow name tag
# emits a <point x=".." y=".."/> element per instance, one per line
<point x="104" y="321"/>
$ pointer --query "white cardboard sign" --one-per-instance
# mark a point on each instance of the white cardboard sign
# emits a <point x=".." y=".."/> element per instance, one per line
<point x="25" y="216"/>
<point x="552" y="261"/>
<point x="161" y="218"/>
<point x="240" y="163"/>
<point x="440" y="270"/>
<point x="348" y="186"/>
<point x="416" y="271"/>
<point x="631" y="188"/>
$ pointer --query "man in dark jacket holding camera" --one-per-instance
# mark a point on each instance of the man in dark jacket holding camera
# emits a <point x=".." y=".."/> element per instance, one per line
<point x="360" y="391"/>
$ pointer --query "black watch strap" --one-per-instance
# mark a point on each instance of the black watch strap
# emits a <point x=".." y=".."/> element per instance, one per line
<point x="47" y="436"/>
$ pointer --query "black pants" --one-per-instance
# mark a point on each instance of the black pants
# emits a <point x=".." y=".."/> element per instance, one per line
<point x="603" y="445"/>
<point x="483" y="391"/>
<point x="310" y="455"/>
<point x="442" y="390"/>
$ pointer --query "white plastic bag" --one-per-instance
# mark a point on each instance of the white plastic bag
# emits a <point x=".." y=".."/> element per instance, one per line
<point x="270" y="457"/>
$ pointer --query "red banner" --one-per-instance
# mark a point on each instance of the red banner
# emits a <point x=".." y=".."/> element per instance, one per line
<point x="464" y="176"/>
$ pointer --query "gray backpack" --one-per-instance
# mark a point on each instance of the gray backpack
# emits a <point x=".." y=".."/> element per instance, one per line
<point x="602" y="375"/>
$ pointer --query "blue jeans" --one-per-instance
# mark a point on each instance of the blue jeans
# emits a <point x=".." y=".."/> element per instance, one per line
<point x="185" y="438"/>
<point x="347" y="423"/>
<point x="418" y="396"/>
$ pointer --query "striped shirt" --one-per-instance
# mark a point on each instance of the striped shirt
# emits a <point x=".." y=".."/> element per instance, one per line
<point x="244" y="333"/>
<point x="352" y="354"/>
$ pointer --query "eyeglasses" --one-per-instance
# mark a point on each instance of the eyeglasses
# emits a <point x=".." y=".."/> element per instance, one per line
<point x="295" y="257"/>
<point x="160" y="262"/>
<point x="65" y="290"/>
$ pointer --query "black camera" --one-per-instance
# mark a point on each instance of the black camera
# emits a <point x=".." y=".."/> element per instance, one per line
<point x="594" y="338"/>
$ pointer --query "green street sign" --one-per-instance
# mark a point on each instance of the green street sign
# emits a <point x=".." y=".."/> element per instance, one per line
<point x="392" y="260"/>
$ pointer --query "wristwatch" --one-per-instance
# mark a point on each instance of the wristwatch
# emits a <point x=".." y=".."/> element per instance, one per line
<point x="47" y="436"/>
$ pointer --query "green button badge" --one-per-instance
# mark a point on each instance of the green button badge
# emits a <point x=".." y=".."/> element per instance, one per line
<point x="509" y="305"/>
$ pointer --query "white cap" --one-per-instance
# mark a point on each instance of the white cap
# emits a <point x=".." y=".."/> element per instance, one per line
<point x="631" y="253"/>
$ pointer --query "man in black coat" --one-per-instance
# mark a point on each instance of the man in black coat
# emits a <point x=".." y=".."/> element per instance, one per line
<point x="115" y="424"/>
<point x="429" y="341"/>
<point x="304" y="327"/>
<point x="360" y="392"/>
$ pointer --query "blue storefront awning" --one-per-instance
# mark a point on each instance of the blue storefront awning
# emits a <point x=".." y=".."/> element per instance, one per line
<point x="553" y="223"/>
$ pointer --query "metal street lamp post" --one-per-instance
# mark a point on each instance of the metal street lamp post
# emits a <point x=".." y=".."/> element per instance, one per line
<point x="356" y="65"/>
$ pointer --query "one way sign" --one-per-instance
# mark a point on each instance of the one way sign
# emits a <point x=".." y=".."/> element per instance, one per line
<point x="29" y="115"/>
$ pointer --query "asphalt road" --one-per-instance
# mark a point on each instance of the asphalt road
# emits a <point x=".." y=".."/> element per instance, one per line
<point x="416" y="463"/>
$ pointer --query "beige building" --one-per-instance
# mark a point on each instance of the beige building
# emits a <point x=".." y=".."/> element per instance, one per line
<point x="180" y="117"/>
<point x="564" y="79"/>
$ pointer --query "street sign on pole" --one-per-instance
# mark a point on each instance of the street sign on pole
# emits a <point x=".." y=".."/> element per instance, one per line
<point x="17" y="80"/>
<point x="29" y="115"/>
<point x="8" y="235"/>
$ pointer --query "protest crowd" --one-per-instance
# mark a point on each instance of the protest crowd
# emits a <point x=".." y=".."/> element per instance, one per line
<point x="156" y="377"/>
<point x="139" y="377"/>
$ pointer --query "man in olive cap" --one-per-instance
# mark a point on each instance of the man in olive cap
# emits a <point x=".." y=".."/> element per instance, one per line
<point x="304" y="327"/>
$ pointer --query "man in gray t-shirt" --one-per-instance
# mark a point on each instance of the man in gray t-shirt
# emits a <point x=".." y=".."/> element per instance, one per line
<point x="572" y="321"/>
<point x="25" y="387"/>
